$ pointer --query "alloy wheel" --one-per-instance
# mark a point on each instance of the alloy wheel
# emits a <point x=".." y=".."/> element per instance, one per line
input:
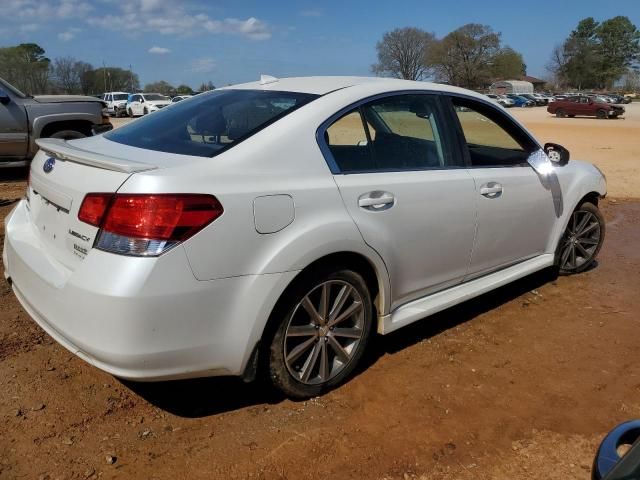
<point x="581" y="240"/>
<point x="323" y="332"/>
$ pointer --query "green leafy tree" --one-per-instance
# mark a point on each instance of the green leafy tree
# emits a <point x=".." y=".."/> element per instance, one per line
<point x="26" y="67"/>
<point x="184" y="90"/>
<point x="507" y="64"/>
<point x="162" y="87"/>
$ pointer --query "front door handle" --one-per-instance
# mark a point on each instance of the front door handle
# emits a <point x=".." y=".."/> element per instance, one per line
<point x="491" y="190"/>
<point x="376" y="201"/>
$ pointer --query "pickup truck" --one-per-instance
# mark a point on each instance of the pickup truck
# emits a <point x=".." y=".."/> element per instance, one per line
<point x="24" y="118"/>
<point x="584" y="106"/>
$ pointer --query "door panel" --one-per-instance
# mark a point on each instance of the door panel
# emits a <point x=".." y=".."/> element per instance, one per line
<point x="513" y="224"/>
<point x="425" y="236"/>
<point x="13" y="131"/>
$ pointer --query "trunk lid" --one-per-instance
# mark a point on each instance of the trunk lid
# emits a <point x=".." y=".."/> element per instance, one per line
<point x="61" y="175"/>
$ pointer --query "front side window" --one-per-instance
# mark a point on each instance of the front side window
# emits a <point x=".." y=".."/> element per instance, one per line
<point x="210" y="123"/>
<point x="120" y="96"/>
<point x="390" y="134"/>
<point x="492" y="139"/>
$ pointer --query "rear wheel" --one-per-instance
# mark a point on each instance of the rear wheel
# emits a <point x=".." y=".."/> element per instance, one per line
<point x="145" y="111"/>
<point x="129" y="113"/>
<point x="601" y="113"/>
<point x="560" y="113"/>
<point x="582" y="239"/>
<point x="322" y="333"/>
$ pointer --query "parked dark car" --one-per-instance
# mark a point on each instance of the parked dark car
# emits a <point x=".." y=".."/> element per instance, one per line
<point x="24" y="118"/>
<point x="584" y="107"/>
<point x="521" y="101"/>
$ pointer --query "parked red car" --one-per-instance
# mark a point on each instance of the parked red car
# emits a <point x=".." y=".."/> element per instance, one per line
<point x="584" y="106"/>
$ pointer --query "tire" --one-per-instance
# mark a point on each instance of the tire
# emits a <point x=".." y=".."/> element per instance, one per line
<point x="306" y="356"/>
<point x="571" y="116"/>
<point x="145" y="111"/>
<point x="129" y="113"/>
<point x="68" y="134"/>
<point x="601" y="113"/>
<point x="576" y="252"/>
<point x="560" y="113"/>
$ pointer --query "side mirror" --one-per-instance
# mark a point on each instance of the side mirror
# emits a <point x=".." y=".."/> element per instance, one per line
<point x="4" y="97"/>
<point x="141" y="100"/>
<point x="557" y="153"/>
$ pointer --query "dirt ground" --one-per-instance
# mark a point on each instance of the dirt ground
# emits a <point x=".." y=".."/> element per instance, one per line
<point x="521" y="383"/>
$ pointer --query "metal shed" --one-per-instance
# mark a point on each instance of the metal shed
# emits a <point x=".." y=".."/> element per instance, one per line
<point x="511" y="86"/>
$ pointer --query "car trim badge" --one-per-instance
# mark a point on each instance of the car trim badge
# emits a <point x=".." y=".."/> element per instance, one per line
<point x="49" y="164"/>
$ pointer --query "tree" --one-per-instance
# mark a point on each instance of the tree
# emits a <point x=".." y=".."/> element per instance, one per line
<point x="26" y="67"/>
<point x="402" y="53"/>
<point x="111" y="79"/>
<point x="162" y="87"/>
<point x="205" y="87"/>
<point x="595" y="55"/>
<point x="464" y="57"/>
<point x="184" y="90"/>
<point x="507" y="64"/>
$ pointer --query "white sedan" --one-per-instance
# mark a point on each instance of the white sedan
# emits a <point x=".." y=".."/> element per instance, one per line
<point x="275" y="226"/>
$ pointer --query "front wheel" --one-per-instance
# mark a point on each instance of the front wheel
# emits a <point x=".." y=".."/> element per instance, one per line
<point x="68" y="134"/>
<point x="582" y="239"/>
<point x="322" y="334"/>
<point x="560" y="113"/>
<point x="601" y="113"/>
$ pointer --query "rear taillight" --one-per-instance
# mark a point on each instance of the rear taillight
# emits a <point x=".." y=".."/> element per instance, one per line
<point x="147" y="224"/>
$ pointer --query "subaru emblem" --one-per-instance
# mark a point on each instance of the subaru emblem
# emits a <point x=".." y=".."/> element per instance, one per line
<point x="48" y="165"/>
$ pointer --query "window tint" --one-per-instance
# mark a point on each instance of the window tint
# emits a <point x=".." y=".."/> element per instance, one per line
<point x="492" y="139"/>
<point x="209" y="123"/>
<point x="348" y="143"/>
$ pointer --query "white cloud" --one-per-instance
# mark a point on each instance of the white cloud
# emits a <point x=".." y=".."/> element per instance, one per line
<point x="45" y="10"/>
<point x="203" y="65"/>
<point x="168" y="18"/>
<point x="68" y="34"/>
<point x="159" y="50"/>
<point x="29" y="27"/>
<point x="312" y="12"/>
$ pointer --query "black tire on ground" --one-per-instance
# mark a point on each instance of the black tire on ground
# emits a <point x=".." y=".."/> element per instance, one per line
<point x="145" y="111"/>
<point x="571" y="116"/>
<point x="586" y="243"/>
<point x="129" y="113"/>
<point x="560" y="113"/>
<point x="601" y="113"/>
<point x="285" y="368"/>
<point x="67" y="134"/>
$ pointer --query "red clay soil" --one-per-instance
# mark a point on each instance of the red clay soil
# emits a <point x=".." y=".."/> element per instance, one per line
<point x="521" y="383"/>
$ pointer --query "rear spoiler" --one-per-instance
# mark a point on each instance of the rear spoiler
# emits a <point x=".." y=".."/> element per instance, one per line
<point x="61" y="149"/>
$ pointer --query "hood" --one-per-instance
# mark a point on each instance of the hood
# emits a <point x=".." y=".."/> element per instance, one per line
<point x="65" y="98"/>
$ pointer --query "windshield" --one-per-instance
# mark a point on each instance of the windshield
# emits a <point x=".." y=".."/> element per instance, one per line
<point x="11" y="88"/>
<point x="209" y="124"/>
<point x="120" y="96"/>
<point x="155" y="97"/>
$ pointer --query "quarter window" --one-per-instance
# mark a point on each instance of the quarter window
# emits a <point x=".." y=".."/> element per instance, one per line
<point x="491" y="139"/>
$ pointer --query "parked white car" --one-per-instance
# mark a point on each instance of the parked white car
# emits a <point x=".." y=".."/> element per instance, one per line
<point x="144" y="103"/>
<point x="282" y="223"/>
<point x="179" y="98"/>
<point x="116" y="103"/>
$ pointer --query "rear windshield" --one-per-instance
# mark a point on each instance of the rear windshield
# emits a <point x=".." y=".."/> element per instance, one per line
<point x="120" y="96"/>
<point x="209" y="123"/>
<point x="155" y="97"/>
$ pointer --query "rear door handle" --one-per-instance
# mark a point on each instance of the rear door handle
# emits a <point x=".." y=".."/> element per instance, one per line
<point x="376" y="201"/>
<point x="491" y="190"/>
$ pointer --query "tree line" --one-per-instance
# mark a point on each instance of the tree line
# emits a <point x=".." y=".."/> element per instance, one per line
<point x="471" y="56"/>
<point x="28" y="68"/>
<point x="595" y="55"/>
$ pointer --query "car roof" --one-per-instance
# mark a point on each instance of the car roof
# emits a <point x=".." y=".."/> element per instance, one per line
<point x="323" y="85"/>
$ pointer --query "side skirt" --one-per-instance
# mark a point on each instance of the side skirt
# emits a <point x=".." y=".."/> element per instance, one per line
<point x="423" y="307"/>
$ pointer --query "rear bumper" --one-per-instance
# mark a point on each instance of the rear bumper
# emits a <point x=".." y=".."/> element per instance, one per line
<point x="140" y="318"/>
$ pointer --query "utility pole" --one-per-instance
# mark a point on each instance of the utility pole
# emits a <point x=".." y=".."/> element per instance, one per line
<point x="131" y="79"/>
<point x="104" y="75"/>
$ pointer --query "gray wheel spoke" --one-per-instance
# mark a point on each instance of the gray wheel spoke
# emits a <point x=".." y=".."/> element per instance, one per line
<point x="324" y="362"/>
<point x="340" y="352"/>
<point x="587" y="229"/>
<point x="573" y="255"/>
<point x="347" y="332"/>
<point x="311" y="310"/>
<point x="302" y="331"/>
<point x="586" y="255"/>
<point x="354" y="308"/>
<point x="565" y="254"/>
<point x="324" y="303"/>
<point x="589" y="241"/>
<point x="300" y="349"/>
<point x="341" y="299"/>
<point x="583" y="223"/>
<point x="310" y="362"/>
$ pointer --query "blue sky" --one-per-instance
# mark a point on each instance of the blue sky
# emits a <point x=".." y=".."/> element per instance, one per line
<point x="230" y="42"/>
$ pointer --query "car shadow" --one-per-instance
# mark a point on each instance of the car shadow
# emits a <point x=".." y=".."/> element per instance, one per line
<point x="211" y="396"/>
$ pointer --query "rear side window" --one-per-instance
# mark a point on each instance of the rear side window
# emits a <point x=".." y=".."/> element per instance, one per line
<point x="210" y="123"/>
<point x="492" y="139"/>
<point x="391" y="134"/>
